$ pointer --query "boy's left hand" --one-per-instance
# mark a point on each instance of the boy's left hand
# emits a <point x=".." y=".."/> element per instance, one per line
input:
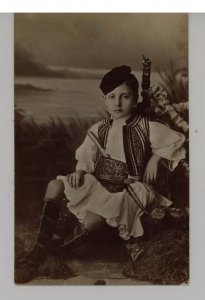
<point x="150" y="174"/>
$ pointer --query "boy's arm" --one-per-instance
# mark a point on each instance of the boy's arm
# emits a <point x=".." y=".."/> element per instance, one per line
<point x="85" y="156"/>
<point x="86" y="153"/>
<point x="167" y="144"/>
<point x="167" y="150"/>
<point x="76" y="178"/>
<point x="151" y="170"/>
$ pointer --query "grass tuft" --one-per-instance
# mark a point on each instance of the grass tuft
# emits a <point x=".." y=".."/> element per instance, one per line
<point x="166" y="259"/>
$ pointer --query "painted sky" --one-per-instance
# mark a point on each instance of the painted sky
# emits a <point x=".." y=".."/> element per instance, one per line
<point x="103" y="40"/>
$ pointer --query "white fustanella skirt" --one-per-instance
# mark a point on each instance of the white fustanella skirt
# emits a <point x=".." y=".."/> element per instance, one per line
<point x="119" y="209"/>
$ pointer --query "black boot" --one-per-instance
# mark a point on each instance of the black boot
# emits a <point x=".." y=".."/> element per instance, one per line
<point x="26" y="267"/>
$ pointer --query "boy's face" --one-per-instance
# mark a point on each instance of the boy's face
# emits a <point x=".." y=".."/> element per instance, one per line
<point x="120" y="101"/>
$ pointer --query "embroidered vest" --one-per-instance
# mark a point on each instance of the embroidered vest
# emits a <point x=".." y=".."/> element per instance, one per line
<point x="135" y="140"/>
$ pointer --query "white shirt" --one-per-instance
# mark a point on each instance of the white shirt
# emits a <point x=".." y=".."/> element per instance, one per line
<point x="164" y="141"/>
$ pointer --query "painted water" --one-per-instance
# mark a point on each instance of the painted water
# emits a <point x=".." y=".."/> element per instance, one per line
<point x="61" y="98"/>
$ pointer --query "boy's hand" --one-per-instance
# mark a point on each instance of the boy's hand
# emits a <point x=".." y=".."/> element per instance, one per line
<point x="76" y="178"/>
<point x="150" y="174"/>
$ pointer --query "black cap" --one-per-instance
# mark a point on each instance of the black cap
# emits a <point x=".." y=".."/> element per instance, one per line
<point x="114" y="78"/>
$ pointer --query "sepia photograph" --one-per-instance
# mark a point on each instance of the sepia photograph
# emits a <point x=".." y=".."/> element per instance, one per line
<point x="101" y="128"/>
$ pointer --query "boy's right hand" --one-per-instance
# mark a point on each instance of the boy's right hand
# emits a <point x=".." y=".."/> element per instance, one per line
<point x="76" y="178"/>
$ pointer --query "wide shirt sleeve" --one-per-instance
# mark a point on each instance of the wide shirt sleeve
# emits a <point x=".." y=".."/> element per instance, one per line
<point x="86" y="153"/>
<point x="167" y="143"/>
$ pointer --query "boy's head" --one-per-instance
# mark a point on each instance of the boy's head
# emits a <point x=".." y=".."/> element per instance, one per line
<point x="118" y="76"/>
<point x="120" y="89"/>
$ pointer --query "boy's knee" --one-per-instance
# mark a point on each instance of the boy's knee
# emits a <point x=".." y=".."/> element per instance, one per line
<point x="55" y="189"/>
<point x="92" y="221"/>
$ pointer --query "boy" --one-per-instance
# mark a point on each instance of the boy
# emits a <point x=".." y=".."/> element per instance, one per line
<point x="140" y="146"/>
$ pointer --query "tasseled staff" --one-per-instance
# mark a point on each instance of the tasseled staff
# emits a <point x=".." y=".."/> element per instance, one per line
<point x="182" y="108"/>
<point x="161" y="98"/>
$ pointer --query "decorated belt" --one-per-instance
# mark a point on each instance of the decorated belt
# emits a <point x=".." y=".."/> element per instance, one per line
<point x="113" y="174"/>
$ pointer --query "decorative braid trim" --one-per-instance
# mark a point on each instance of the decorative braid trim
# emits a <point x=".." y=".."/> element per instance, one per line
<point x="136" y="145"/>
<point x="136" y="142"/>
